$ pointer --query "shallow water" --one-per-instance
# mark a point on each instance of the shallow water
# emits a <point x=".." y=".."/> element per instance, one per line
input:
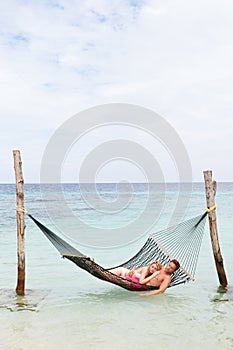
<point x="66" y="307"/>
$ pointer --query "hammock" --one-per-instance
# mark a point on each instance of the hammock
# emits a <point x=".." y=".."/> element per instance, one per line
<point x="181" y="242"/>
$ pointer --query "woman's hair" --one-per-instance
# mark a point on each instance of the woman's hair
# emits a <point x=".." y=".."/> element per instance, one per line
<point x="159" y="265"/>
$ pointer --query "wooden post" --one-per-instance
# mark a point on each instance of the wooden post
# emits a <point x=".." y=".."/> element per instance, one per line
<point x="210" y="199"/>
<point x="20" y="222"/>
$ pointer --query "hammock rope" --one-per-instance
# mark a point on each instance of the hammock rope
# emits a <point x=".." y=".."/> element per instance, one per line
<point x="181" y="242"/>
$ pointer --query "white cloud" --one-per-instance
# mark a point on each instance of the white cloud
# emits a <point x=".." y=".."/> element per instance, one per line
<point x="60" y="57"/>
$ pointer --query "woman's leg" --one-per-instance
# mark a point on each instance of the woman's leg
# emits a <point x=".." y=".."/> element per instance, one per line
<point x="120" y="271"/>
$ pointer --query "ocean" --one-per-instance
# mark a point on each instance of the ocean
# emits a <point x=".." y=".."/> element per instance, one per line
<point x="65" y="307"/>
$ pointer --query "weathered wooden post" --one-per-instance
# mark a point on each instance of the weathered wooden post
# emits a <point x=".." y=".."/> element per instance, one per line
<point x="211" y="187"/>
<point x="20" y="222"/>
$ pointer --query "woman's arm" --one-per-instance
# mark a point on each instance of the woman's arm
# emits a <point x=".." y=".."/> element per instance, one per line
<point x="144" y="280"/>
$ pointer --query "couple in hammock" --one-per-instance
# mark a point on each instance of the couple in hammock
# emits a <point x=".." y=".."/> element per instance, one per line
<point x="154" y="275"/>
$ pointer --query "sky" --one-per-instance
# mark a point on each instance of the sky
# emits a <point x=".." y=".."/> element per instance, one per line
<point x="59" y="58"/>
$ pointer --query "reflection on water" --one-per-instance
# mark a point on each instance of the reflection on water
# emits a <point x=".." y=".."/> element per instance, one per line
<point x="28" y="302"/>
<point x="223" y="294"/>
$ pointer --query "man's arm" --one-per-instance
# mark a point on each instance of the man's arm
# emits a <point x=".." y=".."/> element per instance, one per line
<point x="161" y="289"/>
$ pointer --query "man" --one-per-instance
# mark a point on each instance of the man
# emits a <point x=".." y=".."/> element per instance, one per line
<point x="162" y="279"/>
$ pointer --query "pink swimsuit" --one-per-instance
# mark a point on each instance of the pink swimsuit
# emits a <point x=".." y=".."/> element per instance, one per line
<point x="132" y="279"/>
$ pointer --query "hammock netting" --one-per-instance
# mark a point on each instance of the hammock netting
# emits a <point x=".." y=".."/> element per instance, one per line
<point x="181" y="242"/>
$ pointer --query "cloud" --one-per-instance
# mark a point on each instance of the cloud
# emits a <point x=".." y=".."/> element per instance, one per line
<point x="60" y="57"/>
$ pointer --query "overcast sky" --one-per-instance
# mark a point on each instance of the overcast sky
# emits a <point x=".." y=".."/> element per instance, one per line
<point x="58" y="58"/>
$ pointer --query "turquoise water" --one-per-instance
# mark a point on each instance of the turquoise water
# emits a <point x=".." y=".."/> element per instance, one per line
<point x="66" y="307"/>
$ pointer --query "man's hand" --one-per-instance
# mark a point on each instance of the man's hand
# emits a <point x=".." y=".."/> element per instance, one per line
<point x="156" y="292"/>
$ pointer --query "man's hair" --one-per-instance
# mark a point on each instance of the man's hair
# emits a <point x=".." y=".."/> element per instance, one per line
<point x="174" y="261"/>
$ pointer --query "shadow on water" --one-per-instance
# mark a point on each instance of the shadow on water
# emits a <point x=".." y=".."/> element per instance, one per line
<point x="224" y="294"/>
<point x="29" y="302"/>
<point x="118" y="296"/>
